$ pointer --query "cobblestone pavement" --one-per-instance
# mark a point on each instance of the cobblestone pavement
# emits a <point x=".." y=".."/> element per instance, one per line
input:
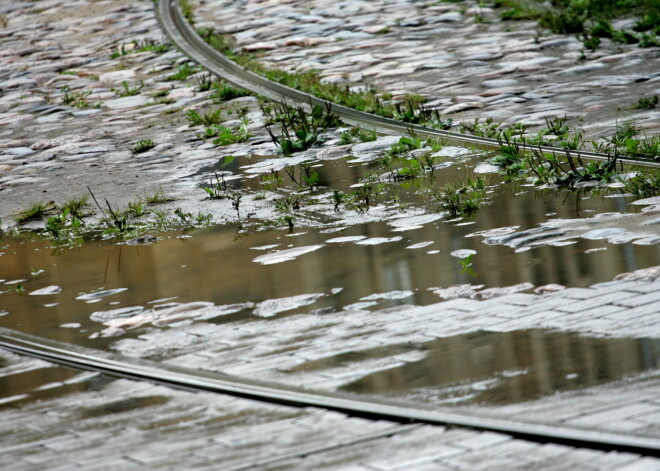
<point x="87" y="422"/>
<point x="315" y="351"/>
<point x="93" y="423"/>
<point x="467" y="62"/>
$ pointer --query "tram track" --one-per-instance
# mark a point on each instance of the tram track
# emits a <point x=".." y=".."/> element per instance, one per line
<point x="184" y="36"/>
<point x="353" y="405"/>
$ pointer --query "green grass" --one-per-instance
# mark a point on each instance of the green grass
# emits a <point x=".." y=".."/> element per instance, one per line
<point x="143" y="146"/>
<point x="37" y="210"/>
<point x="645" y="184"/>
<point x="410" y="110"/>
<point x="646" y="103"/>
<point x="159" y="197"/>
<point x="204" y="119"/>
<point x="183" y="72"/>
<point x="223" y="92"/>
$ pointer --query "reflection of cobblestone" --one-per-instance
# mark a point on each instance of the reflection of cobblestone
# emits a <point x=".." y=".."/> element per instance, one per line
<point x="126" y="425"/>
<point x="278" y="349"/>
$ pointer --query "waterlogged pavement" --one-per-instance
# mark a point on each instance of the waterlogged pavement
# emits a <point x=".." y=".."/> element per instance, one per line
<point x="419" y="326"/>
<point x="62" y="421"/>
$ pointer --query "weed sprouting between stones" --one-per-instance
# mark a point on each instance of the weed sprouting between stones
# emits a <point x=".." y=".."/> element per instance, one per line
<point x="646" y="103"/>
<point x="140" y="45"/>
<point x="205" y="119"/>
<point x="461" y="199"/>
<point x="143" y="145"/>
<point x="37" y="210"/>
<point x="645" y="184"/>
<point x="222" y="92"/>
<point x="183" y="72"/>
<point x="159" y="197"/>
<point x="410" y="110"/>
<point x="75" y="99"/>
<point x="363" y="135"/>
<point x="299" y="130"/>
<point x="128" y="90"/>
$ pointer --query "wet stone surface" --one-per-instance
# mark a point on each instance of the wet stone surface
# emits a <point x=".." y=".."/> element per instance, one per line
<point x="467" y="62"/>
<point x="121" y="424"/>
<point x="65" y="125"/>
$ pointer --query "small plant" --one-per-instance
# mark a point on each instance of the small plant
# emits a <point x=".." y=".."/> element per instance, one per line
<point x="75" y="99"/>
<point x="461" y="199"/>
<point x="487" y="129"/>
<point x="645" y="184"/>
<point x="64" y="227"/>
<point x="646" y="103"/>
<point x="143" y="146"/>
<point x="3" y="21"/>
<point x="206" y="119"/>
<point x="159" y="197"/>
<point x="225" y="136"/>
<point x="571" y="170"/>
<point x="76" y="206"/>
<point x="235" y="198"/>
<point x="217" y="190"/>
<point x="136" y="209"/>
<point x="309" y="178"/>
<point x="127" y="90"/>
<point x="510" y="154"/>
<point x="35" y="211"/>
<point x="18" y="288"/>
<point x="300" y="130"/>
<point x="204" y="82"/>
<point x="183" y="72"/>
<point x="347" y="137"/>
<point x="223" y="92"/>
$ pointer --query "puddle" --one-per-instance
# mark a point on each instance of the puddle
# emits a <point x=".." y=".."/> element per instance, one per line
<point x="502" y="368"/>
<point x="122" y="405"/>
<point x="402" y="250"/>
<point x="24" y="387"/>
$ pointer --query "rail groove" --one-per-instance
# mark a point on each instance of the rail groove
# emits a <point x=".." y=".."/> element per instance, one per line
<point x="190" y="43"/>
<point x="370" y="408"/>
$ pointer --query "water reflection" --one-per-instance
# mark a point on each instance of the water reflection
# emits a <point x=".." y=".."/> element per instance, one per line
<point x="503" y="368"/>
<point x="217" y="264"/>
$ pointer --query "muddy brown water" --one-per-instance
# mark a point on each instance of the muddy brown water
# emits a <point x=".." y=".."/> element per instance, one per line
<point x="505" y="367"/>
<point x="218" y="265"/>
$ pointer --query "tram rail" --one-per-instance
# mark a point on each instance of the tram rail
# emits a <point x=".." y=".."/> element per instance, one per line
<point x="353" y="405"/>
<point x="184" y="36"/>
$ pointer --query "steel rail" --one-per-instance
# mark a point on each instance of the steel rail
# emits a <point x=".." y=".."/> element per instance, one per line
<point x="353" y="405"/>
<point x="190" y="43"/>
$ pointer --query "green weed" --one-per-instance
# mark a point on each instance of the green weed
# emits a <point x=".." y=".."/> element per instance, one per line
<point x="223" y="92"/>
<point x="143" y="145"/>
<point x="75" y="99"/>
<point x="183" y="72"/>
<point x="127" y="90"/>
<point x="299" y="130"/>
<point x="159" y="197"/>
<point x="35" y="211"/>
<point x="646" y="103"/>
<point x="645" y="184"/>
<point x="206" y="119"/>
<point x="463" y="198"/>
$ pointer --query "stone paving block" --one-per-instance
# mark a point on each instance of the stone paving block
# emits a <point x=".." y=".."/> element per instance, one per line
<point x="642" y="464"/>
<point x="637" y="300"/>
<point x="642" y="287"/>
<point x="594" y="302"/>
<point x="613" y="414"/>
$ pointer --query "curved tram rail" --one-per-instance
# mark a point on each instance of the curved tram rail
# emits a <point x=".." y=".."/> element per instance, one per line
<point x="376" y="409"/>
<point x="184" y="36"/>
